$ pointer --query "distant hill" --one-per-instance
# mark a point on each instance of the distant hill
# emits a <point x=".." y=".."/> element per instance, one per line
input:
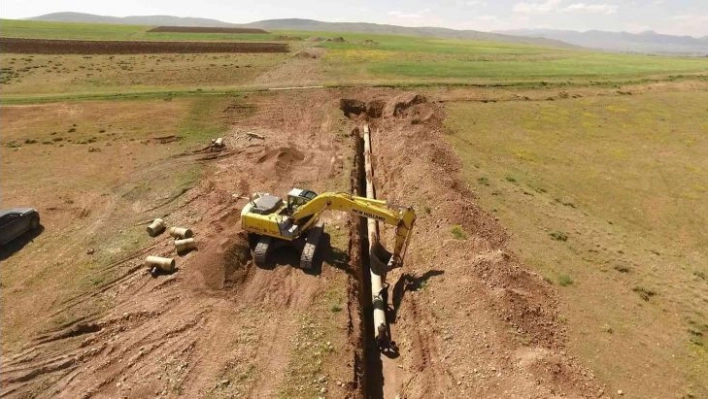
<point x="299" y="24"/>
<point x="645" y="42"/>
<point x="150" y="20"/>
<point x="365" y="27"/>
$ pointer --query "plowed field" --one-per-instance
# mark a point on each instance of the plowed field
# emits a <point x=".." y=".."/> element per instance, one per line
<point x="42" y="46"/>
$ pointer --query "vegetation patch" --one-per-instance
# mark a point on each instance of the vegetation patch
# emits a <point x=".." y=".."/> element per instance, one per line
<point x="565" y="280"/>
<point x="644" y="293"/>
<point x="458" y="232"/>
<point x="559" y="236"/>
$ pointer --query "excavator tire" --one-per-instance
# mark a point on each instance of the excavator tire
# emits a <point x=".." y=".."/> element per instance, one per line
<point x="310" y="249"/>
<point x="261" y="251"/>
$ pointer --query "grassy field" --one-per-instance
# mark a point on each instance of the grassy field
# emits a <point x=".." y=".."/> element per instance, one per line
<point x="605" y="197"/>
<point x="81" y="31"/>
<point x="415" y="60"/>
<point x="360" y="60"/>
<point x="28" y="75"/>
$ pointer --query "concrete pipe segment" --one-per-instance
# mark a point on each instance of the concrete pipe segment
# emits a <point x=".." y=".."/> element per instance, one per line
<point x="156" y="227"/>
<point x="181" y="232"/>
<point x="185" y="245"/>
<point x="164" y="264"/>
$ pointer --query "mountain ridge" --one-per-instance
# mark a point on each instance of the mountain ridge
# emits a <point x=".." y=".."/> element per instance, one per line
<point x="131" y="20"/>
<point x="298" y="24"/>
<point x="649" y="42"/>
<point x="643" y="42"/>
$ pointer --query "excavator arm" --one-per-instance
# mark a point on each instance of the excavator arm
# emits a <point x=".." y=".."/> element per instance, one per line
<point x="401" y="217"/>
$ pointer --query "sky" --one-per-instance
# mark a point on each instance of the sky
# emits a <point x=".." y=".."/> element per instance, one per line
<point x="677" y="17"/>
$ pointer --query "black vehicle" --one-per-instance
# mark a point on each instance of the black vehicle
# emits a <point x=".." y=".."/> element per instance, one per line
<point x="17" y="221"/>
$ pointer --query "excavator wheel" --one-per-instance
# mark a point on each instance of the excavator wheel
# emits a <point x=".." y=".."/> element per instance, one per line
<point x="310" y="249"/>
<point x="261" y="251"/>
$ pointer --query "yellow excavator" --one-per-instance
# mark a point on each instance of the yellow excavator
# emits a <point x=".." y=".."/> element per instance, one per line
<point x="271" y="221"/>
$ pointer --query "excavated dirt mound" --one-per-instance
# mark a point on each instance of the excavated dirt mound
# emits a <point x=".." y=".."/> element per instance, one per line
<point x="311" y="53"/>
<point x="288" y="38"/>
<point x="413" y="107"/>
<point x="304" y="54"/>
<point x="355" y="108"/>
<point x="223" y="263"/>
<point x="282" y="159"/>
<point x="400" y="105"/>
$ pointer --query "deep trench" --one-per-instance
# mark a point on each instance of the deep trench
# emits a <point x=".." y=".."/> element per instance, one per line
<point x="369" y="366"/>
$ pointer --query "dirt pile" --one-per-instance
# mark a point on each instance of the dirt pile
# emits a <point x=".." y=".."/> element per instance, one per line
<point x="223" y="263"/>
<point x="310" y="53"/>
<point x="412" y="107"/>
<point x="288" y="38"/>
<point x="354" y="108"/>
<point x="281" y="160"/>
<point x="401" y="104"/>
<point x="322" y="39"/>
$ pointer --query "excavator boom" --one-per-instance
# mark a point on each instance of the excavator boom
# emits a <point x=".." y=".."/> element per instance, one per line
<point x="400" y="216"/>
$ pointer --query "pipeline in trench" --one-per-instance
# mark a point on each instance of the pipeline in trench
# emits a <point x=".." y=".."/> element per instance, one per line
<point x="368" y="367"/>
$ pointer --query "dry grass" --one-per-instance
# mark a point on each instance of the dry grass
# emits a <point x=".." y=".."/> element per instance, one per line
<point x="47" y="74"/>
<point x="604" y="186"/>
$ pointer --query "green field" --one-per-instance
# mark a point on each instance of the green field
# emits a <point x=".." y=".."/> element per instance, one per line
<point x="606" y="199"/>
<point x="361" y="60"/>
<point x="81" y="31"/>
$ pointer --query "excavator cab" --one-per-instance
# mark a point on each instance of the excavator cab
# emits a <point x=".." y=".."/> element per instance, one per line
<point x="298" y="197"/>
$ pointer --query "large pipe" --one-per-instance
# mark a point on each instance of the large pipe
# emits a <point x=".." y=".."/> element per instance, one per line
<point x="157" y="262"/>
<point x="185" y="245"/>
<point x="181" y="232"/>
<point x="156" y="227"/>
<point x="377" y="265"/>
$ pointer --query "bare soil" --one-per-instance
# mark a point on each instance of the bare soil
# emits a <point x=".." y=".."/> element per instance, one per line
<point x="44" y="46"/>
<point x="303" y="69"/>
<point x="470" y="320"/>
